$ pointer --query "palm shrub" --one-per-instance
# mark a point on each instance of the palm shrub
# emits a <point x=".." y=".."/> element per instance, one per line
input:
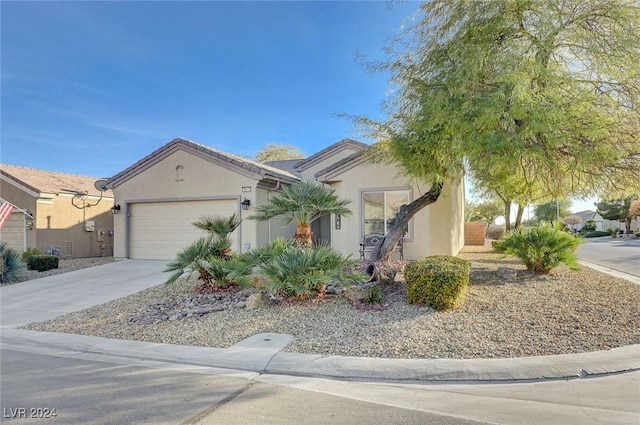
<point x="304" y="273"/>
<point x="208" y="255"/>
<point x="30" y="252"/>
<point x="541" y="248"/>
<point x="302" y="203"/>
<point x="438" y="281"/>
<point x="11" y="265"/>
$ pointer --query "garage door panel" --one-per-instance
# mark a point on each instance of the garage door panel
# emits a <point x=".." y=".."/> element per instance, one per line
<point x="159" y="230"/>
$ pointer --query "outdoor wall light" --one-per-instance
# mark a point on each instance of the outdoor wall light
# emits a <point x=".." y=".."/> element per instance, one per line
<point x="245" y="204"/>
<point x="115" y="209"/>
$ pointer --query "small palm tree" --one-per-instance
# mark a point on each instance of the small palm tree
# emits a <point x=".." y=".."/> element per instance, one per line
<point x="303" y="203"/>
<point x="220" y="228"/>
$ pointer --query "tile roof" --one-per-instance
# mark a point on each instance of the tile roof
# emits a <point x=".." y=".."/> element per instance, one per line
<point x="336" y="147"/>
<point x="245" y="164"/>
<point x="43" y="181"/>
<point x="288" y="165"/>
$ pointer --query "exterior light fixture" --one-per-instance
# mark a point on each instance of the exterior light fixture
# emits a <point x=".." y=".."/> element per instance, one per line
<point x="115" y="209"/>
<point x="245" y="204"/>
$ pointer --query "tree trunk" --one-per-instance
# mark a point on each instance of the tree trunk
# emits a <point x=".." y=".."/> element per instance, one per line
<point x="519" y="215"/>
<point x="384" y="249"/>
<point x="304" y="235"/>
<point x="507" y="215"/>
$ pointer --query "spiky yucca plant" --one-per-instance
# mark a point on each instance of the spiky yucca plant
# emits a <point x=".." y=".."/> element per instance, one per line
<point x="11" y="266"/>
<point x="541" y="248"/>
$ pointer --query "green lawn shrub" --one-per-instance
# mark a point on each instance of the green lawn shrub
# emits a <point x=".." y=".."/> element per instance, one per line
<point x="42" y="263"/>
<point x="29" y="253"/>
<point x="11" y="266"/>
<point x="439" y="281"/>
<point x="594" y="234"/>
<point x="541" y="248"/>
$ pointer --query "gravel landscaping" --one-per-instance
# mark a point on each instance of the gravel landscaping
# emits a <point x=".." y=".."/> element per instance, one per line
<point x="65" y="265"/>
<point x="508" y="312"/>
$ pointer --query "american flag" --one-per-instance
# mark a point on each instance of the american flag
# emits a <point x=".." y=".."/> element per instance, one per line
<point x="5" y="212"/>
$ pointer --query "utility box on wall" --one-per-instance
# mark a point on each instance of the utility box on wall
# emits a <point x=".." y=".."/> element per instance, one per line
<point x="89" y="226"/>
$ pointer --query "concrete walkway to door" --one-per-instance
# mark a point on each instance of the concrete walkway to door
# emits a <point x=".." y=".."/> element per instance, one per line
<point x="43" y="299"/>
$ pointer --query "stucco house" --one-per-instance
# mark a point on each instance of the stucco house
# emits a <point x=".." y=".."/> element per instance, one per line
<point x="56" y="212"/>
<point x="163" y="193"/>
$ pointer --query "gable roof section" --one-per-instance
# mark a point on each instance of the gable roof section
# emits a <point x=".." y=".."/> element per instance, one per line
<point x="329" y="173"/>
<point x="330" y="151"/>
<point x="37" y="181"/>
<point x="232" y="162"/>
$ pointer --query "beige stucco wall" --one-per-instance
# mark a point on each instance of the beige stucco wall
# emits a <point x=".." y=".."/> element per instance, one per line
<point x="58" y="223"/>
<point x="197" y="178"/>
<point x="436" y="229"/>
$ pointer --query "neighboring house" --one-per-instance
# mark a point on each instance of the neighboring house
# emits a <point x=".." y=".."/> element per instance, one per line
<point x="56" y="212"/>
<point x="163" y="193"/>
<point x="601" y="223"/>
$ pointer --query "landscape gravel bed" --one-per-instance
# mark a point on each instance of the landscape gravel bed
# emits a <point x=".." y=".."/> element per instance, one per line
<point x="508" y="312"/>
<point x="65" y="265"/>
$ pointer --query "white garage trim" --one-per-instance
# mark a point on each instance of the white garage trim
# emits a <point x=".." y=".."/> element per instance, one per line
<point x="160" y="228"/>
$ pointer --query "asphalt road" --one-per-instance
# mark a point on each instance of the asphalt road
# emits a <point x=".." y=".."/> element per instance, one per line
<point x="90" y="392"/>
<point x="621" y="254"/>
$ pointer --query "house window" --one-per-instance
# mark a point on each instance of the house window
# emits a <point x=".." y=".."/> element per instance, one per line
<point x="380" y="209"/>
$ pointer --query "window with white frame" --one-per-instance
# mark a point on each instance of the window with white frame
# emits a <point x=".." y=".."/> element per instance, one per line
<point x="380" y="209"/>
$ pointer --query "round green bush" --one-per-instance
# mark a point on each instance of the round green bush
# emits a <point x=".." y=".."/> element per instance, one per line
<point x="439" y="281"/>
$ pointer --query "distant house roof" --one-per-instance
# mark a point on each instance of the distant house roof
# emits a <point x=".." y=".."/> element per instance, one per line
<point x="331" y="150"/>
<point x="52" y="182"/>
<point x="233" y="162"/>
<point x="586" y="215"/>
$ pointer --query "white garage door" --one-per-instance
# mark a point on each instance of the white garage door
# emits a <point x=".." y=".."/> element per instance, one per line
<point x="159" y="230"/>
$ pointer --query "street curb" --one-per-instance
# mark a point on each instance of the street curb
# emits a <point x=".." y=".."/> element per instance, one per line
<point x="271" y="361"/>
<point x="610" y="271"/>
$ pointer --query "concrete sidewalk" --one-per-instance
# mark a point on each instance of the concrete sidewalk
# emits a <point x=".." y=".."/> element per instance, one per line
<point x="53" y="296"/>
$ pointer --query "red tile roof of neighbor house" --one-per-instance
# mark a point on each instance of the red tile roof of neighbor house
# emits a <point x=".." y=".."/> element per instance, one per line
<point x="43" y="181"/>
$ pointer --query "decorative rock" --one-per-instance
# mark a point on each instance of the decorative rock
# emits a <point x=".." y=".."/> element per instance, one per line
<point x="257" y="300"/>
<point x="240" y="304"/>
<point x="359" y="292"/>
<point x="174" y="317"/>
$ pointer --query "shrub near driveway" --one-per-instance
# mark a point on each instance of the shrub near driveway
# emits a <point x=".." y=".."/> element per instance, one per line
<point x="541" y="249"/>
<point x="439" y="281"/>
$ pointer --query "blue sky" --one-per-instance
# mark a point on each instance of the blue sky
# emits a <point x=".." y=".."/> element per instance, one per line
<point x="91" y="87"/>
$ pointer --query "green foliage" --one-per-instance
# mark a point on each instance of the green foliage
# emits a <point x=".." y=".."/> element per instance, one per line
<point x="438" y="281"/>
<point x="375" y="295"/>
<point x="11" y="267"/>
<point x="302" y="202"/>
<point x="305" y="272"/>
<point x="278" y="152"/>
<point x="541" y="248"/>
<point x="30" y="252"/>
<point x="548" y="212"/>
<point x="638" y="234"/>
<point x="43" y="263"/>
<point x="588" y="226"/>
<point x="209" y="255"/>
<point x="594" y="234"/>
<point x="613" y="232"/>
<point x="527" y="95"/>
<point x="222" y="227"/>
<point x="486" y="212"/>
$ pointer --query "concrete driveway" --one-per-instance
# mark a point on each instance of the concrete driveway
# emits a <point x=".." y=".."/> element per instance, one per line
<point x="619" y="254"/>
<point x="52" y="296"/>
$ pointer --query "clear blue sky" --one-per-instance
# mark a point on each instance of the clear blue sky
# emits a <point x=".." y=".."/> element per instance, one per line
<point x="91" y="87"/>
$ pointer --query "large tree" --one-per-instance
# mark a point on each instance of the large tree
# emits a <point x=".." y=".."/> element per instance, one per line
<point x="278" y="152"/>
<point x="617" y="209"/>
<point x="546" y="89"/>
